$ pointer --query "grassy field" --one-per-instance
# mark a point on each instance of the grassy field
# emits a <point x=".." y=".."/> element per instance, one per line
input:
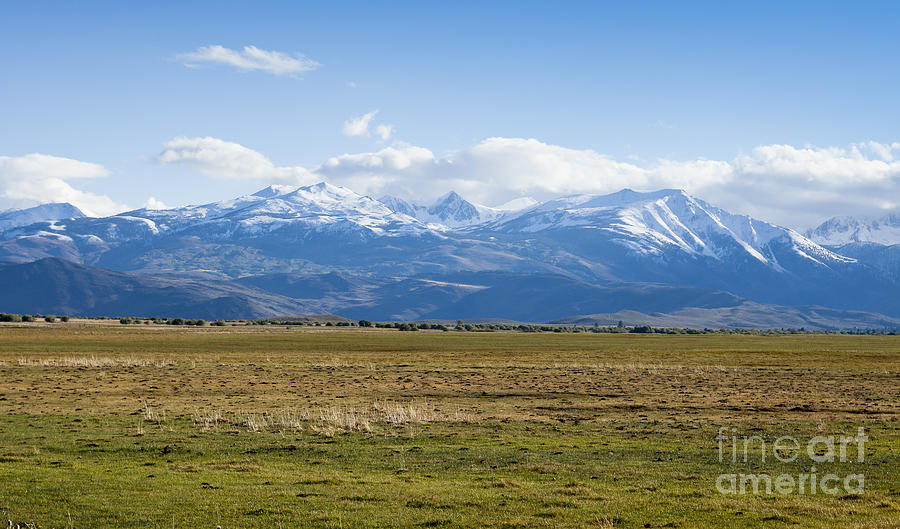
<point x="132" y="426"/>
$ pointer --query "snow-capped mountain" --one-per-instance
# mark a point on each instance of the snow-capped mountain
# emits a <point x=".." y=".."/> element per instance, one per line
<point x="279" y="226"/>
<point x="666" y="237"/>
<point x="839" y="231"/>
<point x="42" y="213"/>
<point x="666" y="221"/>
<point x="318" y="207"/>
<point x="451" y="211"/>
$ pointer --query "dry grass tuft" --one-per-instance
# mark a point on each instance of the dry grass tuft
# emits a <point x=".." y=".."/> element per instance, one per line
<point x="605" y="523"/>
<point x="328" y="421"/>
<point x="151" y="414"/>
<point x="395" y="413"/>
<point x="93" y="361"/>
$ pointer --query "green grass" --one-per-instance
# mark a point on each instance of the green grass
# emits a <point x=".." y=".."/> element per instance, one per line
<point x="517" y="430"/>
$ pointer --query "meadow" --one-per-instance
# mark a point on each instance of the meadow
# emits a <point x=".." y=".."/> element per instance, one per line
<point x="272" y="426"/>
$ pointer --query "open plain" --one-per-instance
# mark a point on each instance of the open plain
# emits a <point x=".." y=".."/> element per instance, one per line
<point x="270" y="426"/>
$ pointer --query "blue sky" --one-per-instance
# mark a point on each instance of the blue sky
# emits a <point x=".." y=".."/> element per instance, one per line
<point x="650" y="94"/>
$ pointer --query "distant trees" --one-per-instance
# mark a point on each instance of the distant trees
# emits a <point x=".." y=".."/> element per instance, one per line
<point x="16" y="318"/>
<point x="460" y="326"/>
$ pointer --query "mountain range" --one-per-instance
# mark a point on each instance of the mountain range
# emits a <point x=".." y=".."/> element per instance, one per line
<point x="324" y="248"/>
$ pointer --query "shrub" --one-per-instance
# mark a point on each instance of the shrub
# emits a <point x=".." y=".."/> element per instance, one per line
<point x="177" y="321"/>
<point x="10" y="317"/>
<point x="50" y="319"/>
<point x="27" y="317"/>
<point x="365" y="323"/>
<point x="218" y="323"/>
<point x="64" y="319"/>
<point x="124" y="321"/>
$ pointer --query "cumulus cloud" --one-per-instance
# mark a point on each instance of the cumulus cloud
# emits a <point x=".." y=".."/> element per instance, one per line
<point x="155" y="204"/>
<point x="229" y="160"/>
<point x="802" y="186"/>
<point x="794" y="186"/>
<point x="384" y="131"/>
<point x="33" y="179"/>
<point x="250" y="58"/>
<point x="358" y="126"/>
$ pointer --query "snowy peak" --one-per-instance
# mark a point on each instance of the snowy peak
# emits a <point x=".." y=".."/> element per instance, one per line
<point x="322" y="200"/>
<point x="315" y="207"/>
<point x="454" y="209"/>
<point x="274" y="191"/>
<point x="43" y="213"/>
<point x="327" y="195"/>
<point x="839" y="231"/>
<point x="398" y="205"/>
<point x="318" y="206"/>
<point x="450" y="211"/>
<point x="671" y="222"/>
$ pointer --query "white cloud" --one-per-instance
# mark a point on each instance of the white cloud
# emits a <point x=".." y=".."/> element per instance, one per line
<point x="830" y="165"/>
<point x="497" y="170"/>
<point x="43" y="165"/>
<point x="358" y="126"/>
<point x="792" y="186"/>
<point x="153" y="203"/>
<point x="33" y="179"/>
<point x="250" y="58"/>
<point x="802" y="186"/>
<point x="884" y="151"/>
<point x="384" y="131"/>
<point x="229" y="160"/>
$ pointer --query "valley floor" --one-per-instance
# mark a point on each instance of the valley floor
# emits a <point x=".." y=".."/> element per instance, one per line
<point x="126" y="426"/>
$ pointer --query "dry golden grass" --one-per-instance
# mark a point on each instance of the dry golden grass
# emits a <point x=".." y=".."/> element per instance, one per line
<point x="93" y="362"/>
<point x="328" y="420"/>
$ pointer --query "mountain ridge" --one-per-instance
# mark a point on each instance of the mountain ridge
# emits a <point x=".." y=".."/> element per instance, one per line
<point x="840" y="231"/>
<point x="666" y="237"/>
<point x="15" y="218"/>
